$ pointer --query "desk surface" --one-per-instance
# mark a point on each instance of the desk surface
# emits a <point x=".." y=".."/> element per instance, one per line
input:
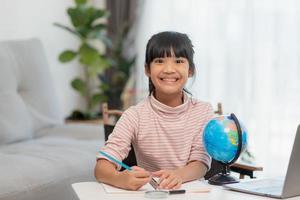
<point x="95" y="191"/>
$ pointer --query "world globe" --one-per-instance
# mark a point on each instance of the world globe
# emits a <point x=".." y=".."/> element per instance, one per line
<point x="225" y="138"/>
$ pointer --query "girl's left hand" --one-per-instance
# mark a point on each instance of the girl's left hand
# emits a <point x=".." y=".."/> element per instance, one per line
<point x="168" y="179"/>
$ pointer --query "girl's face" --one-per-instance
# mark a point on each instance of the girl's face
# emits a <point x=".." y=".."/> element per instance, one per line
<point x="169" y="74"/>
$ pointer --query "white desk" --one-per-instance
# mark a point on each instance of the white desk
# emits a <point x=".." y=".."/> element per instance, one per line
<point x="95" y="191"/>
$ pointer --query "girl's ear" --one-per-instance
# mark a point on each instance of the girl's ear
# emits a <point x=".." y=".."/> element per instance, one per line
<point x="191" y="72"/>
<point x="147" y="70"/>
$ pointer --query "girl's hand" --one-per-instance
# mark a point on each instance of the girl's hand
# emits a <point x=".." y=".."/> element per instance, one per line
<point x="168" y="179"/>
<point x="134" y="179"/>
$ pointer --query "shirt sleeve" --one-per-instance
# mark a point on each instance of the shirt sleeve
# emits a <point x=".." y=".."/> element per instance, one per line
<point x="119" y="141"/>
<point x="198" y="151"/>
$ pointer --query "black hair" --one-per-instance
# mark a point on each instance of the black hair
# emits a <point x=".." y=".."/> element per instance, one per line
<point x="163" y="44"/>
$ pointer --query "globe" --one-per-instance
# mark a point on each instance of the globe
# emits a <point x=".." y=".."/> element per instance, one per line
<point x="225" y="138"/>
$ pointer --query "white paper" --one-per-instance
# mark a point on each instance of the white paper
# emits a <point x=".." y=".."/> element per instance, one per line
<point x="192" y="186"/>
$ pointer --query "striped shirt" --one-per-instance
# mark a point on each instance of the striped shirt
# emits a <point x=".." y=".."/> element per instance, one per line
<point x="163" y="137"/>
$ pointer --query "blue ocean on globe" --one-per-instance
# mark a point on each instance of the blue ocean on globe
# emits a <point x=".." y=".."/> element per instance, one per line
<point x="220" y="138"/>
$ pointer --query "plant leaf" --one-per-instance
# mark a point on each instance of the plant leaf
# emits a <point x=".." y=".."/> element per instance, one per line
<point x="99" y="27"/>
<point x="90" y="57"/>
<point x="98" y="13"/>
<point x="83" y="31"/>
<point x="98" y="98"/>
<point x="104" y="87"/>
<point x="88" y="54"/>
<point x="78" y="16"/>
<point x="98" y="33"/>
<point x="99" y="66"/>
<point x="67" y="29"/>
<point x="78" y="2"/>
<point x="67" y="56"/>
<point x="84" y="16"/>
<point x="79" y="85"/>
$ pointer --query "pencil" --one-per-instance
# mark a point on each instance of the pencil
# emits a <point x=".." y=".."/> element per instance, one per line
<point x="203" y="190"/>
<point x="115" y="160"/>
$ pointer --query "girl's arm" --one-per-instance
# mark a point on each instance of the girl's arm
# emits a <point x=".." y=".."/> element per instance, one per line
<point x="106" y="172"/>
<point x="172" y="179"/>
<point x="192" y="171"/>
<point x="118" y="146"/>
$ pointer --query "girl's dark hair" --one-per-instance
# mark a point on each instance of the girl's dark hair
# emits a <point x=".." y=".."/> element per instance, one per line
<point x="162" y="44"/>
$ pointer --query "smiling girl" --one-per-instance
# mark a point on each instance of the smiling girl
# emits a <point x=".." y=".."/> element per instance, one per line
<point x="166" y="128"/>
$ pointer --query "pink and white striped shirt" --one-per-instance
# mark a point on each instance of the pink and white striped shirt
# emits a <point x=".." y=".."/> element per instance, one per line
<point x="163" y="137"/>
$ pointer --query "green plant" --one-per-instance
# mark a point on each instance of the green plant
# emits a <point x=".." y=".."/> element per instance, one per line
<point x="88" y="27"/>
<point x="114" y="78"/>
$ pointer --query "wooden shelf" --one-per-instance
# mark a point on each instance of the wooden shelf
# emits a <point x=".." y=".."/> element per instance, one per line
<point x="245" y="169"/>
<point x="93" y="122"/>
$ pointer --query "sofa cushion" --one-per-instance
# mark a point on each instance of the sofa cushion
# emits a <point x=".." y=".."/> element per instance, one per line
<point x="27" y="99"/>
<point x="74" y="130"/>
<point x="35" y="168"/>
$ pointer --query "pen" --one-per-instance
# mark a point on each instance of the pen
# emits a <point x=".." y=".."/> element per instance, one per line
<point x="153" y="183"/>
<point x="176" y="191"/>
<point x="115" y="160"/>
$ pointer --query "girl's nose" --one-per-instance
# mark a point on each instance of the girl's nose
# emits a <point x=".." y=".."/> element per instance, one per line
<point x="168" y="68"/>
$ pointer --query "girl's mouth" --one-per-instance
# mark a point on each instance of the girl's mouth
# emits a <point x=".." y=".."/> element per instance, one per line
<point x="169" y="79"/>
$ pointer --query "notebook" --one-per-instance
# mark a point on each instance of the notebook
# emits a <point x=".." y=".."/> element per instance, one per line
<point x="193" y="186"/>
<point x="284" y="187"/>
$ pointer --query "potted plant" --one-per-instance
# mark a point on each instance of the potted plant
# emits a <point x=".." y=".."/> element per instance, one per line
<point x="88" y="28"/>
<point x="115" y="77"/>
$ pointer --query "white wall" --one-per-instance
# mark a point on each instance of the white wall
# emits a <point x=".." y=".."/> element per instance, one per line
<point x="34" y="18"/>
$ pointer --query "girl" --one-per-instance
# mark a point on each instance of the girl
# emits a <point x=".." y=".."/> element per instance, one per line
<point x="166" y="128"/>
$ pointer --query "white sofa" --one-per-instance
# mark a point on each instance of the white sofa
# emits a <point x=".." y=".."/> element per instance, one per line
<point x="40" y="157"/>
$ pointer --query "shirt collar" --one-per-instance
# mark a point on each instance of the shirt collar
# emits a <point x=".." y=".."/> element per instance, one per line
<point x="168" y="111"/>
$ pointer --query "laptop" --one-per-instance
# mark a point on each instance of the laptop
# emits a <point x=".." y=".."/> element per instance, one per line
<point x="285" y="187"/>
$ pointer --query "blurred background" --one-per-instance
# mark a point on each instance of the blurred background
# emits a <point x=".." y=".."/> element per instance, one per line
<point x="246" y="55"/>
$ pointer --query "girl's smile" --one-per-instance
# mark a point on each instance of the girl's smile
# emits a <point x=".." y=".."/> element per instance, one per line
<point x="169" y="79"/>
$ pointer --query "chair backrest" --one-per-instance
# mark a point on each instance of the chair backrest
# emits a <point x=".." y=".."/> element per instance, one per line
<point x="111" y="116"/>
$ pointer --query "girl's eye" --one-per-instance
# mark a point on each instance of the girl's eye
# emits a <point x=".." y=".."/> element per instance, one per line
<point x="180" y="61"/>
<point x="158" y="61"/>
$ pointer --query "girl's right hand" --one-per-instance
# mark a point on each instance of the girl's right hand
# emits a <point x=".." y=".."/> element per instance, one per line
<point x="134" y="179"/>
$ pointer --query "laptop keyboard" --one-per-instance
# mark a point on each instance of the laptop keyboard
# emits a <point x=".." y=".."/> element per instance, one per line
<point x="270" y="186"/>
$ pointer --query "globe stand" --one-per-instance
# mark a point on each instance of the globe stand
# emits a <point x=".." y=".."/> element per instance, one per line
<point x="224" y="177"/>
